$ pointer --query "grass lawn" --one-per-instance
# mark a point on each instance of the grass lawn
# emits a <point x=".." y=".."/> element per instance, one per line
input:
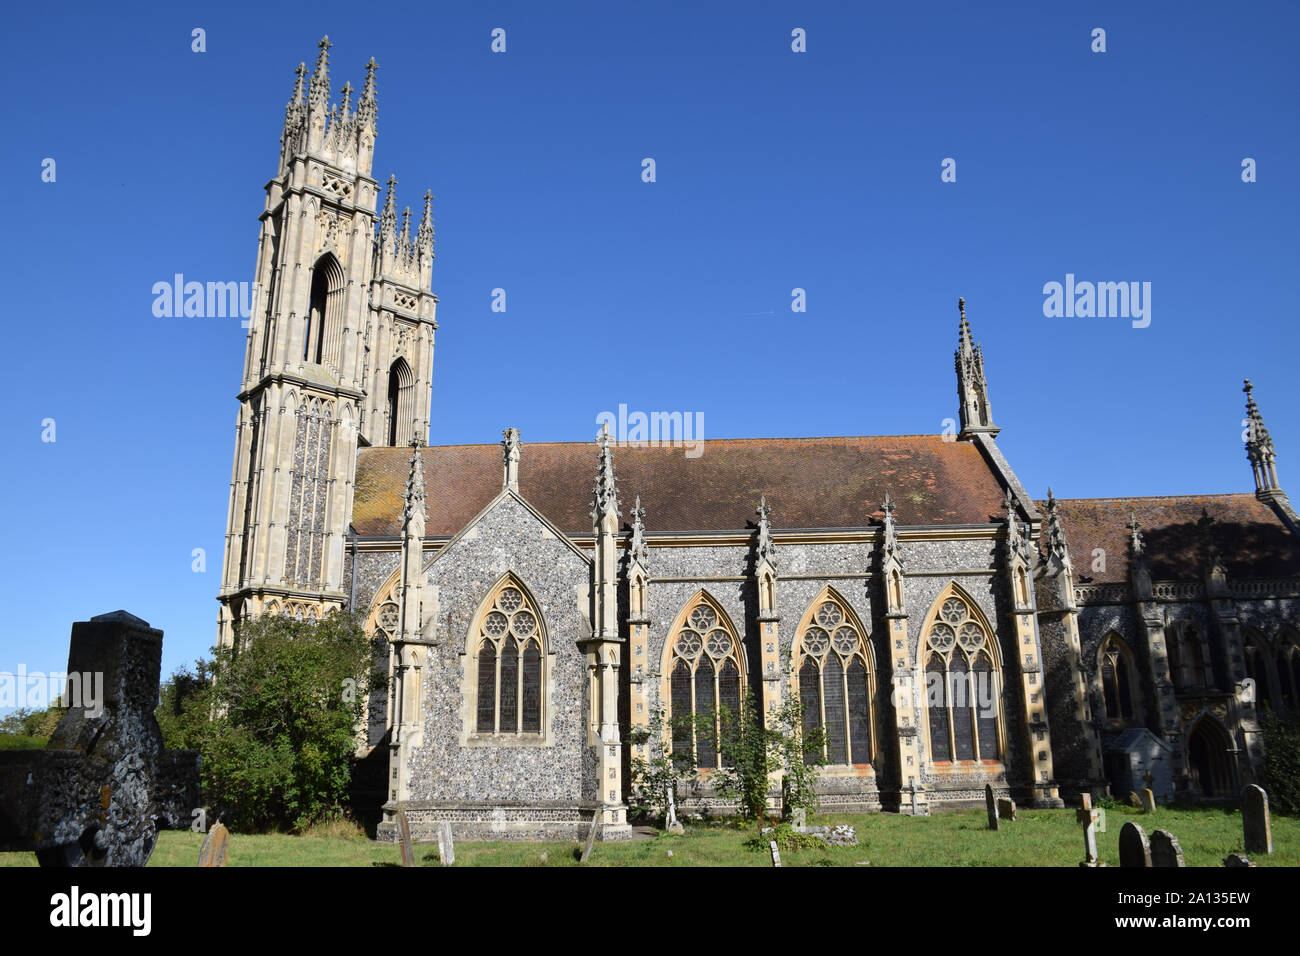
<point x="959" y="838"/>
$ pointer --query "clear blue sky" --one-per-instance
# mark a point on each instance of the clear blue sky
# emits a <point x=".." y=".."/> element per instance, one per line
<point x="775" y="170"/>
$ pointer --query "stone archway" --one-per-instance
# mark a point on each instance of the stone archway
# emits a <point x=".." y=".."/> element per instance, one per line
<point x="1211" y="759"/>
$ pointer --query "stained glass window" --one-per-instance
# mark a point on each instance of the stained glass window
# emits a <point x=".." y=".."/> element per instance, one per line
<point x="705" y="678"/>
<point x="835" y="682"/>
<point x="510" y="680"/>
<point x="962" y="685"/>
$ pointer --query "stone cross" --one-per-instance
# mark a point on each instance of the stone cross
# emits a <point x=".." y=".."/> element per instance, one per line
<point x="1087" y="817"/>
<point x="776" y="854"/>
<point x="1134" y="850"/>
<point x="1148" y="800"/>
<point x="991" y="805"/>
<point x="446" y="845"/>
<point x="215" y="846"/>
<point x="104" y="785"/>
<point x="404" y="832"/>
<point x="1165" y="850"/>
<point x="1255" y="823"/>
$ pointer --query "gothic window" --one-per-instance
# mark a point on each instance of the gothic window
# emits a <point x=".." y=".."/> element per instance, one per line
<point x="835" y="681"/>
<point x="325" y="311"/>
<point x="508" y="651"/>
<point x="309" y="492"/>
<point x="1256" y="654"/>
<point x="1117" y="680"/>
<point x="963" y="684"/>
<point x="401" y="403"/>
<point x="704" y="677"/>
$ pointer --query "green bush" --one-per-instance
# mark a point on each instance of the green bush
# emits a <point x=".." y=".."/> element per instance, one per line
<point x="274" y="722"/>
<point x="1281" y="775"/>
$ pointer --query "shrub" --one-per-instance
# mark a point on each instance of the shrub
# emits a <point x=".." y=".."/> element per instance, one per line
<point x="1281" y="773"/>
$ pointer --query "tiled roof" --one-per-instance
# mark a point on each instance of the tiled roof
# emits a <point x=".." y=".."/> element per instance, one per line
<point x="809" y="483"/>
<point x="1251" y="538"/>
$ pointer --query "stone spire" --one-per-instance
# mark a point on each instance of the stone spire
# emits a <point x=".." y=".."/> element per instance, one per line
<point x="605" y="494"/>
<point x="413" y="516"/>
<point x="972" y="387"/>
<point x="891" y="550"/>
<point x="1017" y="541"/>
<point x="510" y="456"/>
<point x="368" y="108"/>
<point x="1259" y="447"/>
<point x="404" y="249"/>
<point x="637" y="550"/>
<point x="318" y="94"/>
<point x="765" y="548"/>
<point x="424" y="238"/>
<point x="295" y="110"/>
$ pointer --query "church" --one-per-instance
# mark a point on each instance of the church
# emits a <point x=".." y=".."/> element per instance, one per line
<point x="524" y="627"/>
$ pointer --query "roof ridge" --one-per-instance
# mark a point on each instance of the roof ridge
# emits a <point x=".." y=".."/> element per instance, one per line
<point x="672" y="444"/>
<point x="1213" y="494"/>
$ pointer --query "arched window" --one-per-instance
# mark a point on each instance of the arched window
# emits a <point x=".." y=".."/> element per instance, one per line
<point x="1257" y="663"/>
<point x="835" y="681"/>
<point x="1117" y="680"/>
<point x="1186" y="660"/>
<point x="324" y="312"/>
<point x="1288" y="669"/>
<point x="401" y="399"/>
<point x="704" y="671"/>
<point x="963" y="683"/>
<point x="508" y="651"/>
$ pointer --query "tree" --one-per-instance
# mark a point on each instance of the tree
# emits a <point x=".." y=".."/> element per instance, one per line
<point x="274" y="719"/>
<point x="753" y="749"/>
<point x="657" y="773"/>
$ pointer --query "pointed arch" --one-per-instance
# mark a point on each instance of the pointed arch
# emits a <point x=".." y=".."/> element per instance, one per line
<point x="835" y="670"/>
<point x="1211" y="757"/>
<point x="963" y="713"/>
<point x="507" y="656"/>
<point x="324" y="311"/>
<point x="1288" y="667"/>
<point x="401" y="403"/>
<point x="1117" y="669"/>
<point x="704" y="672"/>
<point x="1258" y="660"/>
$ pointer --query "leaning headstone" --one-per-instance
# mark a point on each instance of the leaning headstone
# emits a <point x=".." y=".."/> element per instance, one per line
<point x="799" y="818"/>
<point x="1255" y="823"/>
<point x="776" y="854"/>
<point x="1236" y="860"/>
<point x="1165" y="850"/>
<point x="591" y="837"/>
<point x="1134" y="800"/>
<point x="446" y="845"/>
<point x="104" y="785"/>
<point x="1006" y="808"/>
<point x="671" y="823"/>
<point x="991" y="805"/>
<point x="215" y="846"/>
<point x="1087" y="818"/>
<point x="1134" y="850"/>
<point x="404" y="833"/>
<point x="1148" y="800"/>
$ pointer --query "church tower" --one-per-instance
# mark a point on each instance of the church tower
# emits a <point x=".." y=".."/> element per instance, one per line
<point x="339" y="354"/>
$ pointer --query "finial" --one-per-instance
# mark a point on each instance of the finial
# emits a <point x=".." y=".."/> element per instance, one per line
<point x="367" y="109"/>
<point x="424" y="238"/>
<point x="766" y="548"/>
<point x="388" y="218"/>
<point x="891" y="549"/>
<point x="296" y="99"/>
<point x="347" y="102"/>
<point x="1057" y="546"/>
<point x="414" y="495"/>
<point x="510" y="456"/>
<point x="319" y="91"/>
<point x="605" y="494"/>
<point x="638" y="550"/>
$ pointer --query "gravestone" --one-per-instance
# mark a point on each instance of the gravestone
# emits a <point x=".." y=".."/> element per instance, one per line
<point x="799" y="818"/>
<point x="1255" y="823"/>
<point x="1148" y="800"/>
<point x="1237" y="860"/>
<point x="1134" y="800"/>
<point x="104" y="785"/>
<point x="1134" y="850"/>
<point x="776" y="854"/>
<point x="1165" y="850"/>
<point x="671" y="823"/>
<point x="1087" y="817"/>
<point x="991" y="806"/>
<point x="215" y="846"/>
<point x="446" y="845"/>
<point x="591" y="836"/>
<point x="1006" y="808"/>
<point x="404" y="834"/>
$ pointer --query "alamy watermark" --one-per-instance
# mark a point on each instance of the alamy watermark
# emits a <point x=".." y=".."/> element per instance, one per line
<point x="656" y="429"/>
<point x="36" y="690"/>
<point x="1102" y="300"/>
<point x="979" y="690"/>
<point x="203" y="300"/>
